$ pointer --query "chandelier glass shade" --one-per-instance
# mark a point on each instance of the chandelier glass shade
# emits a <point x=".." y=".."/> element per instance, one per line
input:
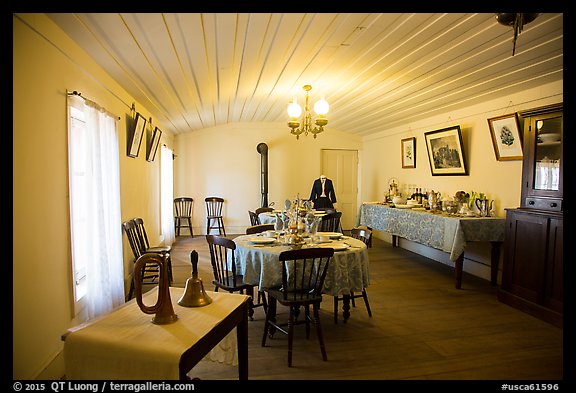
<point x="321" y="108"/>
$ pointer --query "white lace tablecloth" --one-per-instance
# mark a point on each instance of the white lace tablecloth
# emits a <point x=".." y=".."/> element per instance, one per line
<point x="443" y="232"/>
<point x="348" y="270"/>
<point x="125" y="344"/>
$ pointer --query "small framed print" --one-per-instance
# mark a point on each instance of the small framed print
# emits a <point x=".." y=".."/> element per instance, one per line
<point x="505" y="134"/>
<point x="408" y="146"/>
<point x="445" y="152"/>
<point x="152" y="147"/>
<point x="135" y="137"/>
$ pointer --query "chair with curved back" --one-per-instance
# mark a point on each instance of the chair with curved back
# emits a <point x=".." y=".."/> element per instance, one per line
<point x="183" y="214"/>
<point x="259" y="228"/>
<point x="365" y="235"/>
<point x="145" y="245"/>
<point x="224" y="268"/>
<point x="254" y="219"/>
<point x="331" y="222"/>
<point x="263" y="210"/>
<point x="303" y="274"/>
<point x="150" y="273"/>
<point x="214" y="214"/>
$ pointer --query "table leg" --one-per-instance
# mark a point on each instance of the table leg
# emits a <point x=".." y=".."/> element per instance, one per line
<point x="394" y="240"/>
<point x="242" y="339"/>
<point x="458" y="265"/>
<point x="346" y="307"/>
<point x="494" y="262"/>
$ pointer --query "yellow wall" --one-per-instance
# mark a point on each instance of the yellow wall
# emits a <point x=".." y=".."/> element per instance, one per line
<point x="46" y="63"/>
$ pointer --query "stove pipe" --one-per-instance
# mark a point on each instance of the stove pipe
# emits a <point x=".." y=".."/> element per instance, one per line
<point x="262" y="148"/>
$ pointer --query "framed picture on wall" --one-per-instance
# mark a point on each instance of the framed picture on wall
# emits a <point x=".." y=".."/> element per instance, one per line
<point x="408" y="146"/>
<point x="505" y="134"/>
<point x="445" y="152"/>
<point x="135" y="137"/>
<point x="152" y="147"/>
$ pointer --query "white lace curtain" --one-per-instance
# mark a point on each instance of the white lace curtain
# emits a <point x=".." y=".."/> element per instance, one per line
<point x="547" y="176"/>
<point x="96" y="231"/>
<point x="167" y="195"/>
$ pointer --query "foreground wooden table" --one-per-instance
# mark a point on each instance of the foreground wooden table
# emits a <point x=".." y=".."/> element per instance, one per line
<point x="125" y="344"/>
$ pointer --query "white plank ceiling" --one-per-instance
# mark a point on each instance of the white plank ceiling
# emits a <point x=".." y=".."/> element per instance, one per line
<point x="377" y="71"/>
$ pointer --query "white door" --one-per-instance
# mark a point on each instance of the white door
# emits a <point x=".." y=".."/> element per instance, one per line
<point x="342" y="167"/>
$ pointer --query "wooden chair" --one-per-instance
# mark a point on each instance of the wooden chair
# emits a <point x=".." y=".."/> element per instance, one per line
<point x="214" y="214"/>
<point x="365" y="235"/>
<point x="254" y="219"/>
<point x="151" y="272"/>
<point x="259" y="228"/>
<point x="145" y="245"/>
<point x="369" y="243"/>
<point x="303" y="274"/>
<point x="224" y="269"/>
<point x="263" y="210"/>
<point x="331" y="222"/>
<point x="183" y="214"/>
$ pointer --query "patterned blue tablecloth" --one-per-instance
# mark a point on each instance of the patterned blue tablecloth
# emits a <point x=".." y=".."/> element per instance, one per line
<point x="441" y="231"/>
<point x="348" y="270"/>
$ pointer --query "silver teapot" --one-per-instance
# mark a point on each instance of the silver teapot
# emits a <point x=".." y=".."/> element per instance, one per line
<point x="484" y="206"/>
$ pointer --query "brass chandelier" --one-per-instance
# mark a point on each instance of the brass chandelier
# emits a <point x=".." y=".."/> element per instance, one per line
<point x="294" y="111"/>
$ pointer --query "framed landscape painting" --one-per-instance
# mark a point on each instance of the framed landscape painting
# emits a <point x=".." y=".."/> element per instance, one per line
<point x="505" y="134"/>
<point x="408" y="146"/>
<point x="445" y="152"/>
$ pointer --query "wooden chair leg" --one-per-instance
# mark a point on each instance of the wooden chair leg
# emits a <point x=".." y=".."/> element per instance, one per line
<point x="262" y="299"/>
<point x="307" y="321"/>
<point x="250" y="292"/>
<point x="190" y="226"/>
<point x="171" y="277"/>
<point x="290" y="335"/>
<point x="335" y="309"/>
<point x="221" y="226"/>
<point x="365" y="296"/>
<point x="319" y="331"/>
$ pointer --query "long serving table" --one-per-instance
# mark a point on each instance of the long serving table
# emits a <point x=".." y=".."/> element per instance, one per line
<point x="448" y="233"/>
<point x="348" y="270"/>
<point x="125" y="344"/>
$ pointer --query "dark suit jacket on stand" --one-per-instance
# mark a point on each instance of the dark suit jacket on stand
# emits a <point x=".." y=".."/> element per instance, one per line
<point x="328" y="191"/>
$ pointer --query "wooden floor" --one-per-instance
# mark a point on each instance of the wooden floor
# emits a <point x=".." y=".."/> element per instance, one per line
<point x="422" y="329"/>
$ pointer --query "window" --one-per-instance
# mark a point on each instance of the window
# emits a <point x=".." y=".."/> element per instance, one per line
<point x="95" y="224"/>
<point x="166" y="194"/>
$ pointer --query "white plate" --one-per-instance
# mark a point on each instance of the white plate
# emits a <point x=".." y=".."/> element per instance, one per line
<point x="331" y="235"/>
<point x="549" y="137"/>
<point x="335" y="246"/>
<point x="404" y="206"/>
<point x="261" y="240"/>
<point x="415" y="204"/>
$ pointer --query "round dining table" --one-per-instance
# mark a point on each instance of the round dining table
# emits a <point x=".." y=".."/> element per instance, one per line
<point x="257" y="259"/>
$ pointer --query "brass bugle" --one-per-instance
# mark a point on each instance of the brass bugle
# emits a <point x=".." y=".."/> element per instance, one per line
<point x="163" y="307"/>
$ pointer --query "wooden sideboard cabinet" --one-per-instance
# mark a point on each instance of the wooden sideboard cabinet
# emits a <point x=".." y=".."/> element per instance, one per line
<point x="532" y="276"/>
<point x="532" y="273"/>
